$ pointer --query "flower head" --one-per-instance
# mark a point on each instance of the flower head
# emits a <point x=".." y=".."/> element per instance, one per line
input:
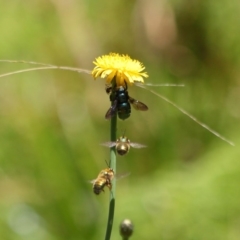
<point x="122" y="67"/>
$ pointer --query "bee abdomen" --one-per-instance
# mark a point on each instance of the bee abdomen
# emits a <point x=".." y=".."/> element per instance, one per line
<point x="124" y="110"/>
<point x="98" y="187"/>
<point x="122" y="149"/>
<point x="97" y="190"/>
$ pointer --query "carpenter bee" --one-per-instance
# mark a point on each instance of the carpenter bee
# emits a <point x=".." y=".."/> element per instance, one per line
<point x="103" y="179"/>
<point x="121" y="103"/>
<point x="123" y="145"/>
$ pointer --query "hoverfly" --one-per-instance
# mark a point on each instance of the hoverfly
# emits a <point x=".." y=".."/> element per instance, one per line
<point x="123" y="145"/>
<point x="122" y="103"/>
<point x="103" y="179"/>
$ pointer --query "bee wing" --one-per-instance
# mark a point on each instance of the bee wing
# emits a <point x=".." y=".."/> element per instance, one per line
<point x="138" y="105"/>
<point x="118" y="177"/>
<point x="111" y="111"/>
<point x="108" y="144"/>
<point x="137" y="145"/>
<point x="92" y="181"/>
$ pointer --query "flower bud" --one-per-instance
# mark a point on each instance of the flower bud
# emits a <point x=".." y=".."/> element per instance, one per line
<point x="126" y="228"/>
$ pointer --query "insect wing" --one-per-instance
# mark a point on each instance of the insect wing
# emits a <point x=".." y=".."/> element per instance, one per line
<point x="137" y="145"/>
<point x="108" y="144"/>
<point x="118" y="177"/>
<point x="111" y="111"/>
<point x="92" y="181"/>
<point x="138" y="105"/>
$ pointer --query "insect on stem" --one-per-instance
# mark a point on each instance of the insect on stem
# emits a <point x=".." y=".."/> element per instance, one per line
<point x="49" y="66"/>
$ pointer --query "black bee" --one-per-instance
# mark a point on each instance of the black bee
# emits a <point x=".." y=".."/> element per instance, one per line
<point x="121" y="103"/>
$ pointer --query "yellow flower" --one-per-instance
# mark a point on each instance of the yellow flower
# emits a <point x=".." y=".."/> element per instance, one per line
<point x="122" y="67"/>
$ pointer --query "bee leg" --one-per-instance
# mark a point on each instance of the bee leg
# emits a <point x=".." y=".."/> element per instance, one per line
<point x="126" y="86"/>
<point x="109" y="185"/>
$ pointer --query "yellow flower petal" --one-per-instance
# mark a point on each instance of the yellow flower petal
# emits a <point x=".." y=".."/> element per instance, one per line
<point x="110" y="77"/>
<point x="122" y="67"/>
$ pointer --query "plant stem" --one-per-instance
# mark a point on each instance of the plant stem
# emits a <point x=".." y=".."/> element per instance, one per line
<point x="113" y="137"/>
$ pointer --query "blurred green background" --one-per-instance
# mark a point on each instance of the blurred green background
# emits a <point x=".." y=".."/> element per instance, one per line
<point x="185" y="185"/>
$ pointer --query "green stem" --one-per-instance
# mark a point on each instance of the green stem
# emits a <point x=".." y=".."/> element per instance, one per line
<point x="113" y="137"/>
